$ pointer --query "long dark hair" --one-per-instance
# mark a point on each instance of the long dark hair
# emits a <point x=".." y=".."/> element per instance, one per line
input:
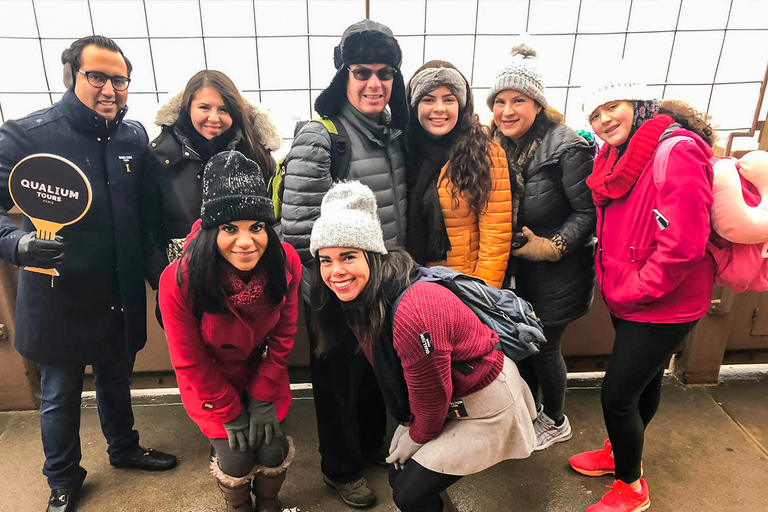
<point x="689" y="118"/>
<point x="238" y="109"/>
<point x="368" y="314"/>
<point x="469" y="167"/>
<point x="203" y="264"/>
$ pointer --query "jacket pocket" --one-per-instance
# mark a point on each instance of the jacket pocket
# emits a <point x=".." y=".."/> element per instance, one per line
<point x="640" y="254"/>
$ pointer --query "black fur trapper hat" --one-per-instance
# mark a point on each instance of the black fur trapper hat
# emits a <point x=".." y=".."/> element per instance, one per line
<point x="365" y="42"/>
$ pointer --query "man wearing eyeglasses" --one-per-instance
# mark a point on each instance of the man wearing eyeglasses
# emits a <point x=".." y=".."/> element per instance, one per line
<point x="367" y="97"/>
<point x="94" y="312"/>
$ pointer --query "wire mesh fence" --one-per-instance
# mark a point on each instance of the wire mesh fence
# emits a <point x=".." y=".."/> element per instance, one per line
<point x="711" y="53"/>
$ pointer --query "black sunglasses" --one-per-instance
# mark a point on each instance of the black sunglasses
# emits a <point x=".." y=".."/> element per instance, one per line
<point x="385" y="74"/>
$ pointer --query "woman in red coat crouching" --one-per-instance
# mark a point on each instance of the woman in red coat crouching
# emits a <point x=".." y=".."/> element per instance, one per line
<point x="230" y="307"/>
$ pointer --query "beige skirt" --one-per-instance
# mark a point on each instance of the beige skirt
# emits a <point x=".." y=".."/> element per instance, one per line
<point x="498" y="426"/>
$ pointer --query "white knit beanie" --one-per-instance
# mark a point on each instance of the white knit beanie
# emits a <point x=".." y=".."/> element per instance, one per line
<point x="521" y="74"/>
<point x="622" y="85"/>
<point x="348" y="218"/>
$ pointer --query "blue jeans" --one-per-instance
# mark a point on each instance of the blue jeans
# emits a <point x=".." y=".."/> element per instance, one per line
<point x="62" y="387"/>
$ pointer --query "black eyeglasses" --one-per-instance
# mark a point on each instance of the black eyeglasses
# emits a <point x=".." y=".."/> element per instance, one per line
<point x="385" y="74"/>
<point x="99" y="80"/>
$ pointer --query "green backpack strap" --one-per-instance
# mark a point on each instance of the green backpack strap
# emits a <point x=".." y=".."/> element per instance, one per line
<point x="275" y="189"/>
<point x="341" y="155"/>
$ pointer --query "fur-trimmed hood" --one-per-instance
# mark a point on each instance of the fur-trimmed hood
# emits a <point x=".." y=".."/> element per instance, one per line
<point x="266" y="131"/>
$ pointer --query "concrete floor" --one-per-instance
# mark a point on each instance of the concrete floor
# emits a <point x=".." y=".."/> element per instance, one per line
<point x="706" y="450"/>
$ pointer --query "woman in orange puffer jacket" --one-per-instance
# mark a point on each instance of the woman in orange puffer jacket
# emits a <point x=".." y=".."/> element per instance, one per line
<point x="459" y="197"/>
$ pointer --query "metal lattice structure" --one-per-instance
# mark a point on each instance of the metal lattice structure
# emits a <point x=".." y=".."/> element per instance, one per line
<point x="712" y="53"/>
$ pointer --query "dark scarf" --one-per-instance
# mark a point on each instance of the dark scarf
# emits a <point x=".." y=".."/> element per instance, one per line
<point x="246" y="291"/>
<point x="519" y="157"/>
<point x="203" y="147"/>
<point x="427" y="238"/>
<point x="614" y="175"/>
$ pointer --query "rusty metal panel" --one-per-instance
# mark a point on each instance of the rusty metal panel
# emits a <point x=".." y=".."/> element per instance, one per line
<point x="744" y="334"/>
<point x="19" y="381"/>
<point x="588" y="341"/>
<point x="154" y="356"/>
<point x="760" y="318"/>
<point x="703" y="349"/>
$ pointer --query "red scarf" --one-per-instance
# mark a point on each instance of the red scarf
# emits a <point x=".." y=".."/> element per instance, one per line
<point x="612" y="179"/>
<point x="248" y="298"/>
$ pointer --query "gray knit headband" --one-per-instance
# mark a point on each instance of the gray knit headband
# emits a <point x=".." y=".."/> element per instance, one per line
<point x="429" y="79"/>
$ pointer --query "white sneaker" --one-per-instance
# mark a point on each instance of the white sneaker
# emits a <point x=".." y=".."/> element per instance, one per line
<point x="548" y="434"/>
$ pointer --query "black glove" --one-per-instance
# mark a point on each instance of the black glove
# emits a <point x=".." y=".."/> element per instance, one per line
<point x="36" y="252"/>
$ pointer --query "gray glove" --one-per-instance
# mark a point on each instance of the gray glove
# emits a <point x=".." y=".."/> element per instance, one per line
<point x="237" y="431"/>
<point x="264" y="424"/>
<point x="36" y="252"/>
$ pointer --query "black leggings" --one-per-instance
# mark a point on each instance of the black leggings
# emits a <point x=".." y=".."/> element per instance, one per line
<point x="416" y="488"/>
<point x="631" y="389"/>
<point x="546" y="374"/>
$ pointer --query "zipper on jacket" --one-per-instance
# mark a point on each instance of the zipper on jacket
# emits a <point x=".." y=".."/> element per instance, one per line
<point x="399" y="236"/>
<point x="188" y="148"/>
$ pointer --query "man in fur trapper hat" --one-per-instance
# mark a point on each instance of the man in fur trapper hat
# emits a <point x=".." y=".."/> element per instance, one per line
<point x="351" y="418"/>
<point x="366" y="44"/>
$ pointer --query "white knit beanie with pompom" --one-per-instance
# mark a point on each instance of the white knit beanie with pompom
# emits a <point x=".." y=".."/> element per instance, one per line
<point x="520" y="74"/>
<point x="348" y="218"/>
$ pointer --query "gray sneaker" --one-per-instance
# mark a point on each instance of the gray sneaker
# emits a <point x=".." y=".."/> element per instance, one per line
<point x="548" y="434"/>
<point x="355" y="494"/>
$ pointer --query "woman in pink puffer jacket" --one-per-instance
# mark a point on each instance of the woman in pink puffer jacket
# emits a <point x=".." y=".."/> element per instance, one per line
<point x="652" y="265"/>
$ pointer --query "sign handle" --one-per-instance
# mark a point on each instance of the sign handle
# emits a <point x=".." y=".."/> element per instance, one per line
<point x="45" y="231"/>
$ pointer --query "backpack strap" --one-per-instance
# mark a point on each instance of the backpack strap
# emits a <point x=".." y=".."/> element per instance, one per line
<point x="661" y="157"/>
<point x="428" y="277"/>
<point x="341" y="155"/>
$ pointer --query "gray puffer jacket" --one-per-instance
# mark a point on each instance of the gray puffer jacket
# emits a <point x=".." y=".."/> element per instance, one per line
<point x="555" y="200"/>
<point x="377" y="160"/>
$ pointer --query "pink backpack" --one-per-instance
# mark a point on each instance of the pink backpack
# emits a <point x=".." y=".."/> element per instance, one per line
<point x="739" y="239"/>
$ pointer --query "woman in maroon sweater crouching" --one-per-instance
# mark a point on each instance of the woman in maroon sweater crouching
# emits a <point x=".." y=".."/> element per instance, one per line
<point x="461" y="405"/>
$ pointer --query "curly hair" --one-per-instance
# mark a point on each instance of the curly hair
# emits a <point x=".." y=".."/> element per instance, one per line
<point x="469" y="163"/>
<point x="689" y="118"/>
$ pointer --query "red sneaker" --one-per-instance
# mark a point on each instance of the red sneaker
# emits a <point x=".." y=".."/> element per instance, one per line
<point x="623" y="498"/>
<point x="594" y="463"/>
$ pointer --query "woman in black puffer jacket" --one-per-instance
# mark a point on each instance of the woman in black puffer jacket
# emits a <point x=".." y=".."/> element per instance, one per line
<point x="553" y="216"/>
<point x="209" y="116"/>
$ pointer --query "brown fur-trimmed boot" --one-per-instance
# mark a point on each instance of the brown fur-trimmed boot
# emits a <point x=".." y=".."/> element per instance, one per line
<point x="268" y="481"/>
<point x="448" y="505"/>
<point x="235" y="490"/>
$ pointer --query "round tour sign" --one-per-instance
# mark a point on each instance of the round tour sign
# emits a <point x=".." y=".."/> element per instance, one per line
<point x="50" y="189"/>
